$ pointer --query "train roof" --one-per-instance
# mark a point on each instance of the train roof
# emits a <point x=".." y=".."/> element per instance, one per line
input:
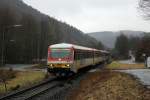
<point x="103" y="51"/>
<point x="67" y="45"/>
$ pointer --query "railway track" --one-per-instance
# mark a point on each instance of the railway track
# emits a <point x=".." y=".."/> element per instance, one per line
<point x="28" y="93"/>
<point x="53" y="89"/>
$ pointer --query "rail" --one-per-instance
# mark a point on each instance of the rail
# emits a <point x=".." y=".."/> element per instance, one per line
<point x="20" y="93"/>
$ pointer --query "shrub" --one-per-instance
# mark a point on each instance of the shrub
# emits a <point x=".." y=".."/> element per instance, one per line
<point x="7" y="74"/>
<point x="15" y="87"/>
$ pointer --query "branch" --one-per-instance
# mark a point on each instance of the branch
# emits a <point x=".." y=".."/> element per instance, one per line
<point x="144" y="7"/>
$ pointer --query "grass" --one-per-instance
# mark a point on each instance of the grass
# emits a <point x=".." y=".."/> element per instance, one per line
<point x="23" y="79"/>
<point x="109" y="85"/>
<point x="117" y="65"/>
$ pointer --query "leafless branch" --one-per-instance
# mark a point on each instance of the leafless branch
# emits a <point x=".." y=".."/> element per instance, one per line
<point x="144" y="8"/>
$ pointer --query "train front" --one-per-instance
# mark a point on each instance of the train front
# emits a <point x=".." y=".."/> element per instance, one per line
<point x="60" y="61"/>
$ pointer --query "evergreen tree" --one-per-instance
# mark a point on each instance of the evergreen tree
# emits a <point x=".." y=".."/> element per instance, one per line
<point x="143" y="48"/>
<point x="121" y="46"/>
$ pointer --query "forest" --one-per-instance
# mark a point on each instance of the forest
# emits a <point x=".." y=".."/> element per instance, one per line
<point x="139" y="46"/>
<point x="26" y="33"/>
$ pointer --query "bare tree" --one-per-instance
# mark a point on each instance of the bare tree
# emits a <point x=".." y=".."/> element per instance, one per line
<point x="144" y="8"/>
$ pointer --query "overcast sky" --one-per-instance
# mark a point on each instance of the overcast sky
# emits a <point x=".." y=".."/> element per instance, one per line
<point x="94" y="15"/>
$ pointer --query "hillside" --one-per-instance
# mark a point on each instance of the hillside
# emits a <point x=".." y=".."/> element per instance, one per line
<point x="108" y="38"/>
<point x="37" y="31"/>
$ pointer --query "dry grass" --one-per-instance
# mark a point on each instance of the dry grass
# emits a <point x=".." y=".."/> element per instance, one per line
<point x="108" y="85"/>
<point x="22" y="79"/>
<point x="117" y="65"/>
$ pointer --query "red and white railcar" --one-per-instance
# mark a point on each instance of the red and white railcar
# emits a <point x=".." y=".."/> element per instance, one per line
<point x="66" y="58"/>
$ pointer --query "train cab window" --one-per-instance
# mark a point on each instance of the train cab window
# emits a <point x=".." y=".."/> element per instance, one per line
<point x="55" y="53"/>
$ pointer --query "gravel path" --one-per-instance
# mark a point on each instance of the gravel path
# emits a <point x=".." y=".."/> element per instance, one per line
<point x="17" y="66"/>
<point x="22" y="67"/>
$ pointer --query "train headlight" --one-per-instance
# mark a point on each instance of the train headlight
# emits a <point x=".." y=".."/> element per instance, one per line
<point x="68" y="65"/>
<point x="51" y="65"/>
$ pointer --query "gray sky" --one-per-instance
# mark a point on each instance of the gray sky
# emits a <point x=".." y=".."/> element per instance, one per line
<point x="94" y="15"/>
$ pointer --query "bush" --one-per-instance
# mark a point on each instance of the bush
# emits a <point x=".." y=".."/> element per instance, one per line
<point x="15" y="87"/>
<point x="7" y="74"/>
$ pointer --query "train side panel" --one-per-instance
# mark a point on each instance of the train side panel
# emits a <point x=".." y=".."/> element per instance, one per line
<point x="78" y="64"/>
<point x="97" y="60"/>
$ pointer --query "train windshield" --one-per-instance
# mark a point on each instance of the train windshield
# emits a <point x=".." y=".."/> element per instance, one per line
<point x="60" y="53"/>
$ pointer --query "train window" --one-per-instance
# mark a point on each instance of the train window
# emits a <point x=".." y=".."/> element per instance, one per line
<point x="80" y="54"/>
<point x="97" y="54"/>
<point x="89" y="54"/>
<point x="60" y="53"/>
<point x="77" y="55"/>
